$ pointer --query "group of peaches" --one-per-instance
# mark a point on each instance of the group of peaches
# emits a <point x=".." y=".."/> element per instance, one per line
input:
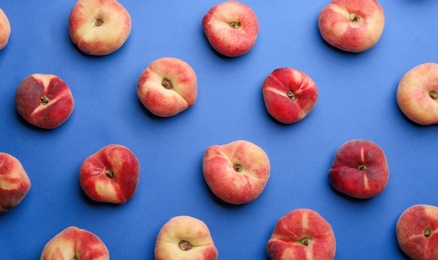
<point x="236" y="172"/>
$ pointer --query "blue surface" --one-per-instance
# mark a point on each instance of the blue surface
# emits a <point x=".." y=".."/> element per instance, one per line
<point x="356" y="100"/>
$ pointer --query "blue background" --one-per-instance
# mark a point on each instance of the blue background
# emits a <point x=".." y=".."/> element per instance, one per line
<point x="356" y="100"/>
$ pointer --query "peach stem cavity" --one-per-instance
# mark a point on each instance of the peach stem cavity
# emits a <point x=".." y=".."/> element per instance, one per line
<point x="354" y="18"/>
<point x="361" y="167"/>
<point x="109" y="173"/>
<point x="427" y="232"/>
<point x="238" y="168"/>
<point x="184" y="245"/>
<point x="166" y="83"/>
<point x="305" y="241"/>
<point x="291" y="95"/>
<point x="99" y="22"/>
<point x="45" y="100"/>
<point x="235" y="25"/>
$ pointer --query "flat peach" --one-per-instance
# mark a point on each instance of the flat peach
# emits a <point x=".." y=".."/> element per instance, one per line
<point x="99" y="27"/>
<point x="167" y="87"/>
<point x="359" y="169"/>
<point x="352" y="25"/>
<point x="185" y="238"/>
<point x="231" y="28"/>
<point x="417" y="232"/>
<point x="5" y="29"/>
<point x="417" y="94"/>
<point x="110" y="175"/>
<point x="236" y="172"/>
<point x="302" y="234"/>
<point x="75" y="243"/>
<point x="44" y="100"/>
<point x="289" y="95"/>
<point x="14" y="182"/>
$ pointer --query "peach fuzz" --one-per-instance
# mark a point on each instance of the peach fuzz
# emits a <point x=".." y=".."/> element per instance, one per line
<point x="110" y="175"/>
<point x="289" y="95"/>
<point x="352" y="25"/>
<point x="167" y="87"/>
<point x="75" y="243"/>
<point x="14" y="182"/>
<point x="417" y="232"/>
<point x="302" y="234"/>
<point x="417" y="94"/>
<point x="99" y="27"/>
<point x="44" y="100"/>
<point x="236" y="172"/>
<point x="359" y="169"/>
<point x="231" y="28"/>
<point x="5" y="29"/>
<point x="185" y="238"/>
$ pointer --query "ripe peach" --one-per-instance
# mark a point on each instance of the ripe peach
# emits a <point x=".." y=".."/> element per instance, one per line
<point x="236" y="172"/>
<point x="359" y="169"/>
<point x="110" y="175"/>
<point x="231" y="28"/>
<point x="185" y="237"/>
<point x="417" y="232"/>
<point x="14" y="182"/>
<point x="75" y="243"/>
<point x="44" y="100"/>
<point x="5" y="29"/>
<point x="99" y="27"/>
<point x="289" y="95"/>
<point x="167" y="87"/>
<point x="417" y="94"/>
<point x="302" y="234"/>
<point x="352" y="25"/>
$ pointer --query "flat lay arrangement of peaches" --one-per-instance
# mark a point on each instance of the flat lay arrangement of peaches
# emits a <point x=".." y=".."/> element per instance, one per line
<point x="237" y="172"/>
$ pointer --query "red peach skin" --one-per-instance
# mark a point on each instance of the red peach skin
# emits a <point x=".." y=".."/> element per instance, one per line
<point x="417" y="232"/>
<point x="75" y="243"/>
<point x="289" y="95"/>
<point x="302" y="234"/>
